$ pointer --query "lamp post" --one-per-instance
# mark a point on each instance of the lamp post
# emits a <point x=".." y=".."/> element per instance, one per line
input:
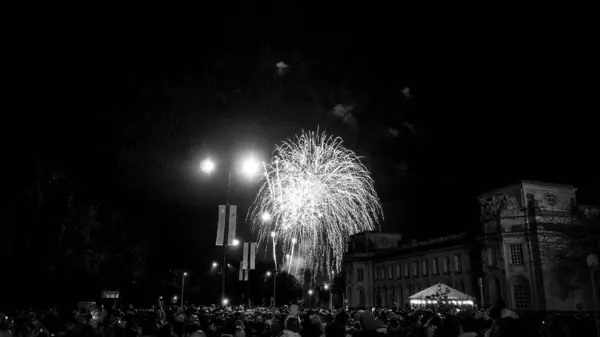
<point x="592" y="262"/>
<point x="182" y="286"/>
<point x="310" y="292"/>
<point x="250" y="167"/>
<point x="268" y="217"/>
<point x="329" y="297"/>
<point x="269" y="274"/>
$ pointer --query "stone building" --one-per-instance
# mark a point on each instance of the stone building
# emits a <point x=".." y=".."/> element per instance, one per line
<point x="520" y="256"/>
<point x="525" y="258"/>
<point x="380" y="270"/>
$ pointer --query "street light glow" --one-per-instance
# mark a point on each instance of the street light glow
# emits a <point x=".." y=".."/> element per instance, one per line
<point x="236" y="242"/>
<point x="310" y="292"/>
<point x="250" y="167"/>
<point x="268" y="273"/>
<point x="294" y="240"/>
<point x="272" y="234"/>
<point x="207" y="165"/>
<point x="214" y="265"/>
<point x="326" y="286"/>
<point x="266" y="217"/>
<point x="225" y="301"/>
<point x="185" y="274"/>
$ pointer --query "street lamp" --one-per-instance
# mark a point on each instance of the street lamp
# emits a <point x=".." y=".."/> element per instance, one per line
<point x="215" y="264"/>
<point x="207" y="165"/>
<point x="182" y="286"/>
<point x="330" y="296"/>
<point x="250" y="167"/>
<point x="225" y="302"/>
<point x="268" y="274"/>
<point x="310" y="292"/>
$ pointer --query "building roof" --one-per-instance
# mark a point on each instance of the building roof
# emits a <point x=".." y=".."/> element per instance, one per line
<point x="520" y="184"/>
<point x="410" y="248"/>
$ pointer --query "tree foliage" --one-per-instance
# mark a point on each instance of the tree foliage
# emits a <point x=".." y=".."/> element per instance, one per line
<point x="440" y="295"/>
<point x="52" y="232"/>
<point x="572" y="233"/>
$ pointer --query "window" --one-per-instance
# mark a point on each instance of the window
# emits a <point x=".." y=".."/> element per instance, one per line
<point x="382" y="273"/>
<point x="521" y="296"/>
<point x="361" y="297"/>
<point x="360" y="275"/>
<point x="390" y="273"/>
<point x="398" y="271"/>
<point x="415" y="269"/>
<point x="435" y="266"/>
<point x="550" y="199"/>
<point x="516" y="254"/>
<point x="446" y="265"/>
<point x="491" y="257"/>
<point x="457" y="263"/>
<point x="425" y="267"/>
<point x="406" y="271"/>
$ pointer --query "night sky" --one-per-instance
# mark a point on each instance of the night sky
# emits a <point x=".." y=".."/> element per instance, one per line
<point x="128" y="115"/>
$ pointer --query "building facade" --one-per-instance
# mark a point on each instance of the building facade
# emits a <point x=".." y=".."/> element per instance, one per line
<point x="526" y="261"/>
<point x="380" y="270"/>
<point x="521" y="256"/>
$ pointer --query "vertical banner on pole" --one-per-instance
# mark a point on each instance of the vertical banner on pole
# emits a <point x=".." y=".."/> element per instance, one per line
<point x="221" y="225"/>
<point x="246" y="272"/>
<point x="241" y="272"/>
<point x="245" y="258"/>
<point x="252" y="255"/>
<point x="231" y="229"/>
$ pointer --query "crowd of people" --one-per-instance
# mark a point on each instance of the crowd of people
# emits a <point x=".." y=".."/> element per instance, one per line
<point x="288" y="321"/>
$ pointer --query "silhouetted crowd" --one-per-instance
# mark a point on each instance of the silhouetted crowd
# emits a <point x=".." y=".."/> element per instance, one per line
<point x="289" y="321"/>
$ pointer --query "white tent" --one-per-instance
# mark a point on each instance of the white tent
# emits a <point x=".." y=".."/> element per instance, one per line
<point x="429" y="295"/>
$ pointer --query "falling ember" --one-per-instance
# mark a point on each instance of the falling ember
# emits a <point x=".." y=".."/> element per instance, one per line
<point x="317" y="194"/>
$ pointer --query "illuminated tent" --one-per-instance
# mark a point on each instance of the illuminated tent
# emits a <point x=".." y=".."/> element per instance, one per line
<point x="441" y="293"/>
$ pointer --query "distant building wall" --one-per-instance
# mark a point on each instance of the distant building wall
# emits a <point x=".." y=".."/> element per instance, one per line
<point x="386" y="275"/>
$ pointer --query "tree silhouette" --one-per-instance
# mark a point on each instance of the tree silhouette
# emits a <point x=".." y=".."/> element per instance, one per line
<point x="50" y="232"/>
<point x="440" y="295"/>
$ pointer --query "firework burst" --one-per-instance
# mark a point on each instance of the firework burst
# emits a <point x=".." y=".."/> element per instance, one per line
<point x="315" y="194"/>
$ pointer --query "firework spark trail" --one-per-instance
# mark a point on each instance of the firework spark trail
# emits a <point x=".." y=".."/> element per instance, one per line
<point x="318" y="192"/>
